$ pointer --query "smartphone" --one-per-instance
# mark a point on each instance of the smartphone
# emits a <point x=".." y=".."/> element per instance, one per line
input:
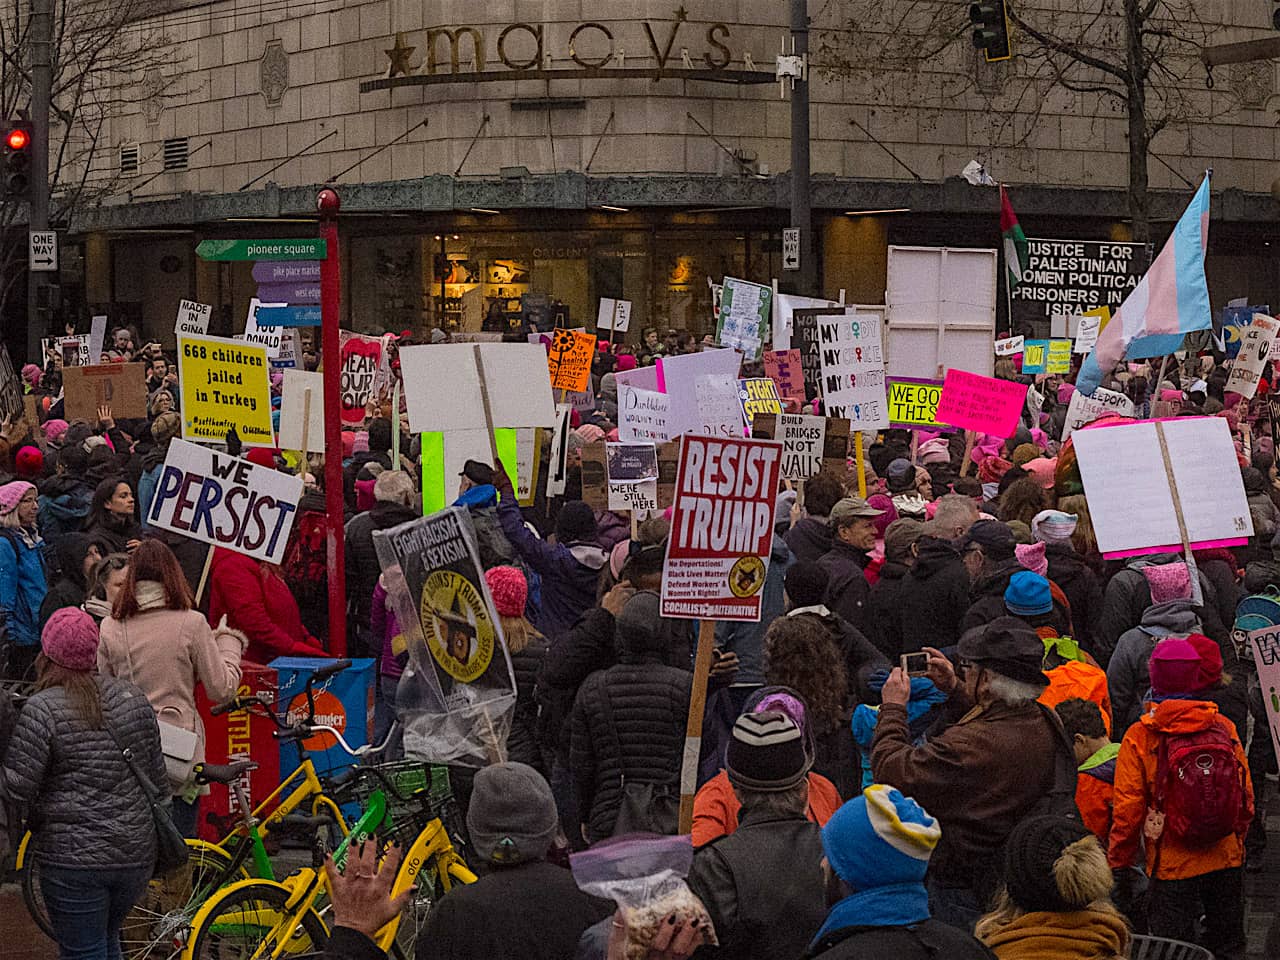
<point x="915" y="664"/>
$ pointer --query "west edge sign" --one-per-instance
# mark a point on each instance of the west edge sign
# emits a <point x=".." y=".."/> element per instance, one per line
<point x="525" y="50"/>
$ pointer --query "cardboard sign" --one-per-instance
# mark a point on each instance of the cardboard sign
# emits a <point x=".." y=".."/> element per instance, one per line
<point x="783" y="367"/>
<point x="13" y="402"/>
<point x="362" y="361"/>
<point x="758" y="395"/>
<point x="743" y="319"/>
<point x="913" y="403"/>
<point x="642" y="415"/>
<point x="595" y="475"/>
<point x="193" y="318"/>
<point x="1130" y="494"/>
<point x="719" y="412"/>
<point x="721" y="528"/>
<point x="268" y="337"/>
<point x="220" y="499"/>
<point x="224" y="384"/>
<point x="1009" y="346"/>
<point x="120" y="386"/>
<point x="1265" y="645"/>
<point x="633" y="477"/>
<point x="293" y="403"/>
<point x="1082" y="409"/>
<point x="569" y="360"/>
<point x="442" y="386"/>
<point x="614" y="315"/>
<point x="1058" y="359"/>
<point x="809" y="444"/>
<point x="1251" y="361"/>
<point x="1035" y="356"/>
<point x="984" y="404"/>
<point x="853" y="369"/>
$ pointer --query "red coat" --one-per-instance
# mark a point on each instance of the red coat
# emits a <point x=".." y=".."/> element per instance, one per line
<point x="257" y="602"/>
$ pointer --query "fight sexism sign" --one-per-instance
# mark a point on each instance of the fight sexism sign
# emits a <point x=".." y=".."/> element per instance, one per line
<point x="225" y="501"/>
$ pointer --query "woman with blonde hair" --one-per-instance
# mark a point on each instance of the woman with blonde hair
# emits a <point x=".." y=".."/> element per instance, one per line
<point x="528" y="648"/>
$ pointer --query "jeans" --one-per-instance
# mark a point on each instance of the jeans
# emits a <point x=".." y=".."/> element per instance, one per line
<point x="88" y="907"/>
<point x="384" y="714"/>
<point x="1174" y="905"/>
<point x="186" y="816"/>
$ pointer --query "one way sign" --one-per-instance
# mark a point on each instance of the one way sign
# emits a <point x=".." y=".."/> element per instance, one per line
<point x="42" y="251"/>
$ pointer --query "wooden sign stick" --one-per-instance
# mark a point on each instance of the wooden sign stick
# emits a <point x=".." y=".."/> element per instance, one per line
<point x="306" y="427"/>
<point x="862" y="467"/>
<point x="484" y="400"/>
<point x="693" y="729"/>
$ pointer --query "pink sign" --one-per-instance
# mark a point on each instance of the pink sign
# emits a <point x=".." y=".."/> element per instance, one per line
<point x="982" y="404"/>
<point x="783" y="368"/>
<point x="362" y="360"/>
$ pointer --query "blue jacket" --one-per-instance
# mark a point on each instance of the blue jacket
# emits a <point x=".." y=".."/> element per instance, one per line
<point x="925" y="698"/>
<point x="147" y="491"/>
<point x="22" y="588"/>
<point x="570" y="572"/>
<point x="64" y="506"/>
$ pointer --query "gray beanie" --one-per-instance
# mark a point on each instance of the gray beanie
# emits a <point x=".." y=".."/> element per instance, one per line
<point x="512" y="816"/>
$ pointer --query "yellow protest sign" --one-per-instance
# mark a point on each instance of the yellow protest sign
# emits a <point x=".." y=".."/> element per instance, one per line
<point x="1059" y="357"/>
<point x="913" y="403"/>
<point x="224" y="384"/>
<point x="1034" y="356"/>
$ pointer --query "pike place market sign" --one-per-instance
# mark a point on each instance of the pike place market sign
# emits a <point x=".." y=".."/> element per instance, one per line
<point x="521" y="51"/>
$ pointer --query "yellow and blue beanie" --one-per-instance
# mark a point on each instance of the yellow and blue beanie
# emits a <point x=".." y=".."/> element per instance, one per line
<point x="880" y="838"/>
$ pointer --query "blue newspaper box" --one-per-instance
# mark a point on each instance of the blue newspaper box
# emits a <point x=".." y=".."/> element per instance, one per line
<point x="344" y="701"/>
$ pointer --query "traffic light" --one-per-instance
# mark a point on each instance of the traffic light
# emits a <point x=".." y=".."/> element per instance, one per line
<point x="16" y="173"/>
<point x="990" y="20"/>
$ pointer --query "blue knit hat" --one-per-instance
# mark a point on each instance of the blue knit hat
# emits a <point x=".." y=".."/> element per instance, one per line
<point x="1028" y="595"/>
<point x="880" y="838"/>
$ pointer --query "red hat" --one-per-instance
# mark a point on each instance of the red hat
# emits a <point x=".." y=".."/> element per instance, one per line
<point x="1210" y="660"/>
<point x="509" y="589"/>
<point x="262" y="456"/>
<point x="28" y="462"/>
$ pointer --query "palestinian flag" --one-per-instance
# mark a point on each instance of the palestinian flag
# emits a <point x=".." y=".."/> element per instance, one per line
<point x="1015" y="241"/>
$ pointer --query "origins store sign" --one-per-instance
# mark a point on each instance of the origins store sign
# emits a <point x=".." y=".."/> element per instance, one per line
<point x="674" y="49"/>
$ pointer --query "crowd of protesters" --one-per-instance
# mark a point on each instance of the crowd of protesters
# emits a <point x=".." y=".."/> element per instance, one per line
<point x="1020" y="793"/>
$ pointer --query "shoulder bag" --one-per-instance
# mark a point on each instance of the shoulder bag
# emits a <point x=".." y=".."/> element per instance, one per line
<point x="642" y="807"/>
<point x="171" y="846"/>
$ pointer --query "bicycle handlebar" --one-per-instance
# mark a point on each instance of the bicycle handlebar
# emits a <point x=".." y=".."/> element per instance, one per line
<point x="304" y="730"/>
<point x="325" y="672"/>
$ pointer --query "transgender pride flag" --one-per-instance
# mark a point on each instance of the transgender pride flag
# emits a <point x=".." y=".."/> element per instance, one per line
<point x="1171" y="301"/>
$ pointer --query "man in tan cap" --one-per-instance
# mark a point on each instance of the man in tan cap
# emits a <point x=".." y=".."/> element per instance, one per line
<point x="853" y="539"/>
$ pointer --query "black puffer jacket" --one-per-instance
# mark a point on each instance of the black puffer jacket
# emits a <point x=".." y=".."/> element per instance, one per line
<point x="362" y="567"/>
<point x="809" y="539"/>
<point x="628" y="721"/>
<point x="574" y="656"/>
<point x="934" y="597"/>
<point x="87" y="809"/>
<point x="522" y="742"/>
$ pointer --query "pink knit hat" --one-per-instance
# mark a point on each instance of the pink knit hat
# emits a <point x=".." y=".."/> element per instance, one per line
<point x="1168" y="581"/>
<point x="509" y="590"/>
<point x="1174" y="667"/>
<point x="55" y="430"/>
<point x="1042" y="470"/>
<point x="590" y="433"/>
<point x="70" y="639"/>
<point x="31" y="373"/>
<point x="360" y="443"/>
<point x="11" y="493"/>
<point x="1031" y="556"/>
<point x="618" y="557"/>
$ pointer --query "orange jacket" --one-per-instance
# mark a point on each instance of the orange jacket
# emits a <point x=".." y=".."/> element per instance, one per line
<point x="1083" y="680"/>
<point x="1094" y="788"/>
<point x="1135" y="793"/>
<point x="715" y="808"/>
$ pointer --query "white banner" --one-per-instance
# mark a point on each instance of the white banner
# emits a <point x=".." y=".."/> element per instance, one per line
<point x="1255" y="349"/>
<point x="852" y="360"/>
<point x="642" y="415"/>
<point x="1265" y="644"/>
<point x="1082" y="409"/>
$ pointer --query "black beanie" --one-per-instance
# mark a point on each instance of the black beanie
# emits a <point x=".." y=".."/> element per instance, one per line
<point x="766" y="752"/>
<point x="1056" y="865"/>
<point x="576" y="523"/>
<point x="806" y="583"/>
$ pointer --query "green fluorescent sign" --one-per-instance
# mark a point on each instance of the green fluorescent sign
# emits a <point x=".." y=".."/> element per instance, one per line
<point x="298" y="249"/>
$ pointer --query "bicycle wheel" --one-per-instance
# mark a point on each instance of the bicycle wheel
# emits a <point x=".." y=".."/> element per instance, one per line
<point x="29" y="880"/>
<point x="249" y="922"/>
<point x="159" y="925"/>
<point x="427" y="891"/>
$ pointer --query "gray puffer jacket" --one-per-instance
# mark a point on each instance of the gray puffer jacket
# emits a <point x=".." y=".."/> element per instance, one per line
<point x="86" y="807"/>
<point x="1127" y="676"/>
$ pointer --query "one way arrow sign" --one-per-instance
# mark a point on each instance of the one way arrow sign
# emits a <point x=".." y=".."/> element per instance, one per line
<point x="42" y="251"/>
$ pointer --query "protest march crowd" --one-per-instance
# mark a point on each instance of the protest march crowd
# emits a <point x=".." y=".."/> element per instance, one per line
<point x="999" y="684"/>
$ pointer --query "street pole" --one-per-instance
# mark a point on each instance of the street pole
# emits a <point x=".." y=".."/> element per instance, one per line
<point x="327" y="203"/>
<point x="801" y="215"/>
<point x="41" y="37"/>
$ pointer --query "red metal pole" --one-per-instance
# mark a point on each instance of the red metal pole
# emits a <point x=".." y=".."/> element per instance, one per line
<point x="327" y="203"/>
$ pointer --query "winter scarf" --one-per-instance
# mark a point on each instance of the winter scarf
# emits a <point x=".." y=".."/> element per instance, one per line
<point x="1083" y="935"/>
<point x="893" y="905"/>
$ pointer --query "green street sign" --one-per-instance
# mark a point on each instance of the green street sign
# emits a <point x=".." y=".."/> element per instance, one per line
<point x="300" y="248"/>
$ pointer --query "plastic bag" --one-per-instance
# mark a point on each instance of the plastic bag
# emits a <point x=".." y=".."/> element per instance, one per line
<point x="645" y="877"/>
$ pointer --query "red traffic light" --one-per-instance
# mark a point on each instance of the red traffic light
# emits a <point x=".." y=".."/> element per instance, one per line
<point x="17" y="139"/>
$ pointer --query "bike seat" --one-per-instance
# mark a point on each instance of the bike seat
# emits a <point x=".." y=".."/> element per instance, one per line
<point x="216" y="773"/>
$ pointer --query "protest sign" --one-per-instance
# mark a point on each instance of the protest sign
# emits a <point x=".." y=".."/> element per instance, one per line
<point x="633" y="476"/>
<point x="719" y="412"/>
<point x="743" y="319"/>
<point x="296" y="409"/>
<point x="120" y="386"/>
<point x="721" y="528"/>
<point x="1064" y="276"/>
<point x="193" y="318"/>
<point x="1035" y="356"/>
<point x="289" y="350"/>
<point x="1009" y="346"/>
<point x="1235" y="319"/>
<point x="558" y="461"/>
<point x="642" y="415"/>
<point x="853" y="369"/>
<point x="809" y="444"/>
<point x="984" y="404"/>
<point x="461" y="686"/>
<point x="224" y="384"/>
<point x="913" y="403"/>
<point x="1255" y="350"/>
<point x="758" y="395"/>
<point x="1131" y="493"/>
<point x="783" y="368"/>
<point x="225" y="501"/>
<point x="1265" y="644"/>
<point x="786" y="304"/>
<point x="362" y="358"/>
<point x="442" y="386"/>
<point x="97" y="334"/>
<point x="528" y="460"/>
<point x="805" y="337"/>
<point x="13" y="402"/>
<point x="677" y="377"/>
<point x="1058" y="358"/>
<point x="1082" y="409"/>
<point x="445" y="454"/>
<point x="268" y="337"/>
<point x="569" y="360"/>
<point x="595" y="475"/>
<point x="614" y="315"/>
<point x="1088" y="326"/>
<point x="71" y="351"/>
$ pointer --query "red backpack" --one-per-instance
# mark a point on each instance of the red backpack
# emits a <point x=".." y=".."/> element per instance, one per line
<point x="1200" y="786"/>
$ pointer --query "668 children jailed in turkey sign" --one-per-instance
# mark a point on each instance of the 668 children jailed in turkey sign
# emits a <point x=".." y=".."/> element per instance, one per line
<point x="721" y="528"/>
